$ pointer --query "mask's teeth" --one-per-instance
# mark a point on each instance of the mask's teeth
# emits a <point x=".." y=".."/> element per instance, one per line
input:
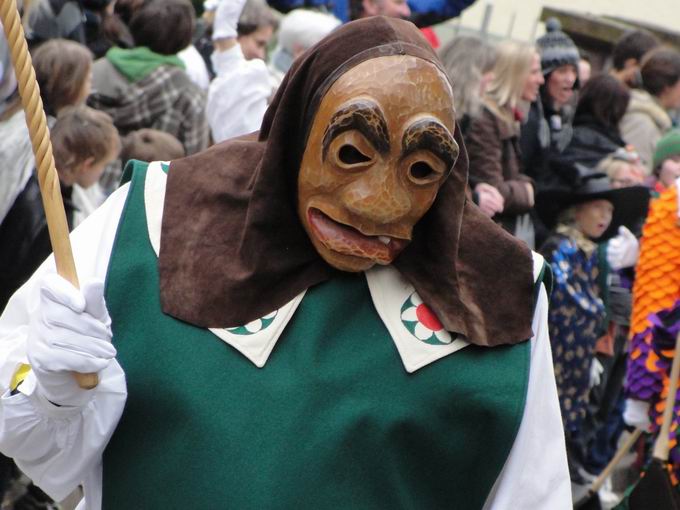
<point x="384" y="239"/>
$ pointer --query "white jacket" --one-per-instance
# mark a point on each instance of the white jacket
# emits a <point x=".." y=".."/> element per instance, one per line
<point x="16" y="160"/>
<point x="239" y="94"/>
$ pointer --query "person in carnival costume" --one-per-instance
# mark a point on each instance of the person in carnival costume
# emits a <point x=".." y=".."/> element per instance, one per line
<point x="312" y="316"/>
<point x="655" y="321"/>
<point x="589" y="212"/>
<point x="605" y="407"/>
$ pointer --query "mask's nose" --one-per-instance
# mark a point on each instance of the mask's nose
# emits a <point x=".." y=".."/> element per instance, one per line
<point x="378" y="195"/>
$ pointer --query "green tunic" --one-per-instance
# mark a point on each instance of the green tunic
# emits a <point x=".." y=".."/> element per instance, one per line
<point x="332" y="420"/>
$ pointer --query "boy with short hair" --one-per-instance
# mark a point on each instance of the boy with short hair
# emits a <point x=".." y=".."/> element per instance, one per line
<point x="147" y="86"/>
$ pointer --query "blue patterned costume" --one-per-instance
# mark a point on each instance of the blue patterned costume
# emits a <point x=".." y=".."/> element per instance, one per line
<point x="575" y="318"/>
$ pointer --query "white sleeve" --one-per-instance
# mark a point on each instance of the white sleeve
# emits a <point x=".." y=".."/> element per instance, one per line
<point x="59" y="447"/>
<point x="195" y="66"/>
<point x="535" y="474"/>
<point x="238" y="96"/>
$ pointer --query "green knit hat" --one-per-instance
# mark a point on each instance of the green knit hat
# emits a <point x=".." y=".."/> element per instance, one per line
<point x="668" y="146"/>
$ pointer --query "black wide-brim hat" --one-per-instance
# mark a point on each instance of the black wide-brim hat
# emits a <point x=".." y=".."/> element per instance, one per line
<point x="630" y="203"/>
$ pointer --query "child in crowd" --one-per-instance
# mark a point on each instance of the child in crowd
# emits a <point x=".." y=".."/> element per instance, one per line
<point x="150" y="145"/>
<point x="84" y="142"/>
<point x="143" y="144"/>
<point x="623" y="167"/>
<point x="62" y="69"/>
<point x="64" y="73"/>
<point x="147" y="86"/>
<point x="666" y="164"/>
<point x="581" y="216"/>
<point x="605" y="421"/>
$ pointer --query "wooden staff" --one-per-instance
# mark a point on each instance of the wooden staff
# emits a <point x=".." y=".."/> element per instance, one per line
<point x="591" y="498"/>
<point x="661" y="448"/>
<point x="655" y="489"/>
<point x="621" y="452"/>
<point x="42" y="149"/>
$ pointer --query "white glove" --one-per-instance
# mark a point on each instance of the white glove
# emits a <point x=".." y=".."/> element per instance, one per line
<point x="636" y="414"/>
<point x="70" y="333"/>
<point x="210" y="5"/>
<point x="596" y="370"/>
<point x="623" y="250"/>
<point x="226" y="18"/>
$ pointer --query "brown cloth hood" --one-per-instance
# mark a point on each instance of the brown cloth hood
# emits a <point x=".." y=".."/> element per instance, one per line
<point x="233" y="248"/>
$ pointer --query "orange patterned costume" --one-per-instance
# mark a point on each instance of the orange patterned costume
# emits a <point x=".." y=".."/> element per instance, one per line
<point x="655" y="296"/>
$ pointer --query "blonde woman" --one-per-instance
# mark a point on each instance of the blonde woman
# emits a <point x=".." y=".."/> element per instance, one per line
<point x="493" y="137"/>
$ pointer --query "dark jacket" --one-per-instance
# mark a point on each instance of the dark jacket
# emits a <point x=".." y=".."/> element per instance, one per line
<point x="103" y="32"/>
<point x="559" y="123"/>
<point x="534" y="141"/>
<point x="591" y="143"/>
<point x="544" y="135"/>
<point x="493" y="149"/>
<point x="55" y="19"/>
<point x="24" y="239"/>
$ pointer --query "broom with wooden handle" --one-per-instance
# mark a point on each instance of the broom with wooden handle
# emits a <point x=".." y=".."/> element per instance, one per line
<point x="655" y="490"/>
<point x="661" y="447"/>
<point x="42" y="148"/>
<point x="591" y="500"/>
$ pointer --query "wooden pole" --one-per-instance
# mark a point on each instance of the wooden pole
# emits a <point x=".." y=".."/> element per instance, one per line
<point x="42" y="148"/>
<point x="661" y="444"/>
<point x="621" y="452"/>
<point x="589" y="499"/>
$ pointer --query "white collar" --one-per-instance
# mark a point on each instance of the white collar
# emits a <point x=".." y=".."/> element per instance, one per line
<point x="415" y="330"/>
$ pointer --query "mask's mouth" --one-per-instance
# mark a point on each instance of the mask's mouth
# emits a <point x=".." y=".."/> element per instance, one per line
<point x="347" y="240"/>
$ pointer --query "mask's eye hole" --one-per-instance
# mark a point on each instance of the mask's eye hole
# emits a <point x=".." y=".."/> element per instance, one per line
<point x="421" y="171"/>
<point x="350" y="155"/>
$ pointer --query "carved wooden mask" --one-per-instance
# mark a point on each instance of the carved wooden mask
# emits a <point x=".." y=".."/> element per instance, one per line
<point x="380" y="146"/>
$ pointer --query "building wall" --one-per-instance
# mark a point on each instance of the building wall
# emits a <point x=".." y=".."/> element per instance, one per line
<point x="518" y="18"/>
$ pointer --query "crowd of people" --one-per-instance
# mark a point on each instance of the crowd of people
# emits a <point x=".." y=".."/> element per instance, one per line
<point x="564" y="159"/>
<point x="568" y="162"/>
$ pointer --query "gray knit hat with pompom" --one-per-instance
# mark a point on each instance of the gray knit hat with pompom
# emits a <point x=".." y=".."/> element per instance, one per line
<point x="556" y="48"/>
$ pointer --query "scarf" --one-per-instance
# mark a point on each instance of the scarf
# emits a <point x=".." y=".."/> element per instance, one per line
<point x="138" y="63"/>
